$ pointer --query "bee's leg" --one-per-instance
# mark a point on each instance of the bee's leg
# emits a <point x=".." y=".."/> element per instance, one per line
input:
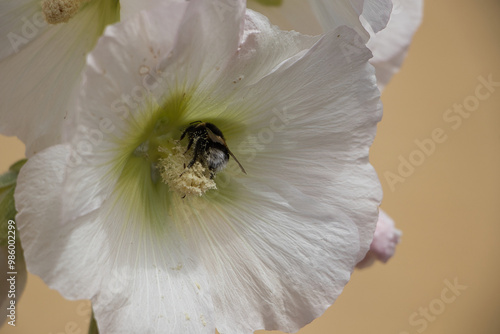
<point x="198" y="149"/>
<point x="188" y="129"/>
<point x="189" y="145"/>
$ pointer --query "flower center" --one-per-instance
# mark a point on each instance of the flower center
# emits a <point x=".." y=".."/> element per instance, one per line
<point x="184" y="156"/>
<point x="195" y="180"/>
<point x="60" y="11"/>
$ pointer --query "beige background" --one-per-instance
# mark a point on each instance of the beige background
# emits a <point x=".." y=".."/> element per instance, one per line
<point x="448" y="208"/>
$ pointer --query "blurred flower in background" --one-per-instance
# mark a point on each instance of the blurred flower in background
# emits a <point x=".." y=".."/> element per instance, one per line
<point x="41" y="63"/>
<point x="314" y="17"/>
<point x="42" y="53"/>
<point x="390" y="46"/>
<point x="389" y="38"/>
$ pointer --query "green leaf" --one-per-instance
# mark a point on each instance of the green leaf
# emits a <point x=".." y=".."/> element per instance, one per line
<point x="16" y="166"/>
<point x="8" y="179"/>
<point x="7" y="212"/>
<point x="93" y="325"/>
<point x="271" y="3"/>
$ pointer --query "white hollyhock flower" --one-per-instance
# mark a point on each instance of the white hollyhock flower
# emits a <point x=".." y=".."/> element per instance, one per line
<point x="115" y="217"/>
<point x="389" y="45"/>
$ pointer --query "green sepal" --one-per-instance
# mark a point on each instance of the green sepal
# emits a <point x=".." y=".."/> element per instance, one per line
<point x="16" y="166"/>
<point x="271" y="3"/>
<point x="93" y="325"/>
<point x="8" y="211"/>
<point x="8" y="179"/>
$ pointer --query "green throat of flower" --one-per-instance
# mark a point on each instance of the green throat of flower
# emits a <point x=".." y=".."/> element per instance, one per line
<point x="155" y="182"/>
<point x="187" y="164"/>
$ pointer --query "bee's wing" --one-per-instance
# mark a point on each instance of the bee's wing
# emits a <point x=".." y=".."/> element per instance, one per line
<point x="213" y="137"/>
<point x="216" y="139"/>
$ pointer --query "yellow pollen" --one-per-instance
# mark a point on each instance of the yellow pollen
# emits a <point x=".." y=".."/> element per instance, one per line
<point x="59" y="11"/>
<point x="186" y="181"/>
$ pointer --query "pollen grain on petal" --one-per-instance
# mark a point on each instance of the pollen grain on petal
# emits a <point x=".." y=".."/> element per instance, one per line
<point x="203" y="321"/>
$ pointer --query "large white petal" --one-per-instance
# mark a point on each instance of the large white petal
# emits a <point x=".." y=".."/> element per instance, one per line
<point x="310" y="193"/>
<point x="209" y="23"/>
<point x="390" y="45"/>
<point x="140" y="281"/>
<point x="276" y="258"/>
<point x="328" y="121"/>
<point x="38" y="81"/>
<point x="257" y="56"/>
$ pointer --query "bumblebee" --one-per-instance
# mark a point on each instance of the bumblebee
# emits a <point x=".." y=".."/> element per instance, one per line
<point x="210" y="148"/>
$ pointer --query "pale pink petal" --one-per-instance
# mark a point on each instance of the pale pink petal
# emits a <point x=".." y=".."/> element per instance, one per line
<point x="384" y="243"/>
